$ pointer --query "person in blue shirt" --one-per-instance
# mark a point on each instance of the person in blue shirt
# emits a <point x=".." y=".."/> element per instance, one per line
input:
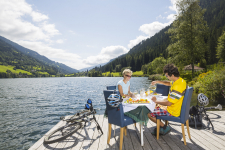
<point x="124" y="85"/>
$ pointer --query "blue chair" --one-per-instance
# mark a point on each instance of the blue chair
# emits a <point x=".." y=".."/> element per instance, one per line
<point x="111" y="87"/>
<point x="184" y="115"/>
<point x="116" y="116"/>
<point x="163" y="89"/>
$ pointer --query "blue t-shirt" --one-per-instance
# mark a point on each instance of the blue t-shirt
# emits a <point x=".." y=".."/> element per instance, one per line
<point x="124" y="86"/>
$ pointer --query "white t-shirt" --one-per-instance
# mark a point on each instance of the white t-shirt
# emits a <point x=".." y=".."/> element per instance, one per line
<point x="124" y="86"/>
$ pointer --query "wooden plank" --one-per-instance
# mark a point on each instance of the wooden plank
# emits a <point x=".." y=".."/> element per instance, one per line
<point x="103" y="139"/>
<point x="193" y="143"/>
<point x="218" y="132"/>
<point x="134" y="137"/>
<point x="205" y="143"/>
<point x="96" y="136"/>
<point x="81" y="137"/>
<point x="214" y="139"/>
<point x="116" y="139"/>
<point x="90" y="134"/>
<point x="152" y="140"/>
<point x="146" y="145"/>
<point x="168" y="140"/>
<point x="127" y="140"/>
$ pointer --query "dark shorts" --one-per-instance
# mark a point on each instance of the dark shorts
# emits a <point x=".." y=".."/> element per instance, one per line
<point x="160" y="112"/>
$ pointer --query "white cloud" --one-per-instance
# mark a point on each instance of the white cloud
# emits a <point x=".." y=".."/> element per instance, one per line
<point x="72" y="32"/>
<point x="173" y="7"/>
<point x="60" y="41"/>
<point x="154" y="27"/>
<point x="136" y="41"/>
<point x="37" y="17"/>
<point x="14" y="27"/>
<point x="105" y="55"/>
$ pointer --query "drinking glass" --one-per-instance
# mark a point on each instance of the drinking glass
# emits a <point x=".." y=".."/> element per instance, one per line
<point x="152" y="87"/>
<point x="142" y="91"/>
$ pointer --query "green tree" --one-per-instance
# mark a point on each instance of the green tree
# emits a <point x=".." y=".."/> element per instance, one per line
<point x="188" y="34"/>
<point x="156" y="66"/>
<point x="220" y="50"/>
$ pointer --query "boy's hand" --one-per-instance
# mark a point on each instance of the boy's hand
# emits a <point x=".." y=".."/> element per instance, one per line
<point x="153" y="82"/>
<point x="154" y="99"/>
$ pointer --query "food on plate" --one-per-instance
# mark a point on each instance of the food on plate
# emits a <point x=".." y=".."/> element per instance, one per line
<point x="135" y="101"/>
<point x="157" y="94"/>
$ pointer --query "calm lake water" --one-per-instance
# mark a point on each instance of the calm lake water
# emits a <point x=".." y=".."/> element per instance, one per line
<point x="29" y="107"/>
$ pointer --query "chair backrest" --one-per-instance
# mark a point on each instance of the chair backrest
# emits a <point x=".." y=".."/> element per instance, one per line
<point x="163" y="89"/>
<point x="184" y="114"/>
<point x="115" y="116"/>
<point x="111" y="87"/>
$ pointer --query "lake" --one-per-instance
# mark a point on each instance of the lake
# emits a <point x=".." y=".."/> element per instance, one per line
<point x="32" y="106"/>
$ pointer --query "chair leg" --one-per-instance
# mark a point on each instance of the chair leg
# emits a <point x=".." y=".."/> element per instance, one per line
<point x="109" y="132"/>
<point x="125" y="131"/>
<point x="187" y="125"/>
<point x="182" y="126"/>
<point x="135" y="124"/>
<point x="158" y="127"/>
<point x="166" y="122"/>
<point x="121" y="137"/>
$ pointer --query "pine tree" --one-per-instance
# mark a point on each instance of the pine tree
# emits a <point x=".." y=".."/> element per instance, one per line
<point x="220" y="50"/>
<point x="188" y="34"/>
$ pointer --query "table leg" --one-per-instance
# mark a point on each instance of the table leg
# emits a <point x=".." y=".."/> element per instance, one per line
<point x="142" y="141"/>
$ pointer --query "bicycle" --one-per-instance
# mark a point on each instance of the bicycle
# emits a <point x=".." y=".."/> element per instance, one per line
<point x="197" y="113"/>
<point x="73" y="124"/>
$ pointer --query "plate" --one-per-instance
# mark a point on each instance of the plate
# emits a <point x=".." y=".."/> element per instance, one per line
<point x="157" y="94"/>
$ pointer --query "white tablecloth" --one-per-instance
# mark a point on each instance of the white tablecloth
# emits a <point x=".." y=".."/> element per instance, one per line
<point x="150" y="106"/>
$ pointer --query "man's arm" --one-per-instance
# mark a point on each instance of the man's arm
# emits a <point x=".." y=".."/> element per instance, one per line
<point x="167" y="83"/>
<point x="165" y="102"/>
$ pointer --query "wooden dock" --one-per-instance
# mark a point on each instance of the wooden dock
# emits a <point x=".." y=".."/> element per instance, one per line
<point x="89" y="139"/>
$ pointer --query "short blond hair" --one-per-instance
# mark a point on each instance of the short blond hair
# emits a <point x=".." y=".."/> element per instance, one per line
<point x="127" y="71"/>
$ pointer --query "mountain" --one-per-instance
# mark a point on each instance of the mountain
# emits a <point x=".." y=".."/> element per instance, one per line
<point x="22" y="63"/>
<point x="155" y="46"/>
<point x="61" y="67"/>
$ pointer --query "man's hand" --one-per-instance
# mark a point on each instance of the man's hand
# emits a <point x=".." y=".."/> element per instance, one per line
<point x="153" y="82"/>
<point x="154" y="99"/>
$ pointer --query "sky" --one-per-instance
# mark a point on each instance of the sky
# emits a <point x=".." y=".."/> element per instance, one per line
<point x="83" y="33"/>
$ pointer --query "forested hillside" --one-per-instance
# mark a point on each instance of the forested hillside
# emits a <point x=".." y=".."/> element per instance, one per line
<point x="60" y="67"/>
<point x="149" y="49"/>
<point x="28" y="66"/>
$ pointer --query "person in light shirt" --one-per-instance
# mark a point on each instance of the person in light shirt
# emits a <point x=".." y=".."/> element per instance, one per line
<point x="123" y="86"/>
<point x="174" y="100"/>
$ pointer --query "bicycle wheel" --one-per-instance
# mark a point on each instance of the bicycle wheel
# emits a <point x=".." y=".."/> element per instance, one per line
<point x="62" y="133"/>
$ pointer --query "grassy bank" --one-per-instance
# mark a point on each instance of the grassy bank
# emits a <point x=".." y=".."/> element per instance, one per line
<point x="17" y="71"/>
<point x="118" y="74"/>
